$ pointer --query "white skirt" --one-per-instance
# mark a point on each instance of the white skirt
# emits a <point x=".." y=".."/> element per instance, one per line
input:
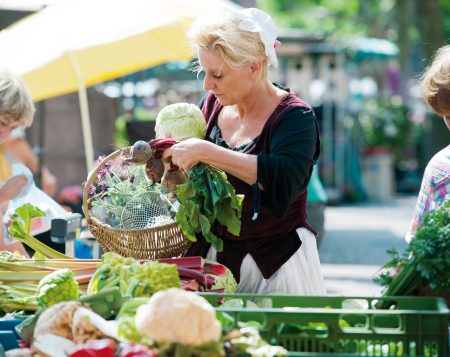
<point x="300" y="275"/>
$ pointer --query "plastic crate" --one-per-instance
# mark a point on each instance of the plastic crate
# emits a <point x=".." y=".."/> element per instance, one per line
<point x="8" y="336"/>
<point x="321" y="325"/>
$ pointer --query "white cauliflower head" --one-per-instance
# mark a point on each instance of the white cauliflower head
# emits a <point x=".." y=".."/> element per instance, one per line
<point x="178" y="316"/>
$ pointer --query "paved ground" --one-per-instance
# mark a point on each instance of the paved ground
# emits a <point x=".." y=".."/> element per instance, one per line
<point x="355" y="243"/>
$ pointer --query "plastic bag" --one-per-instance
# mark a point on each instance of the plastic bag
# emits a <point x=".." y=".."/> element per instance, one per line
<point x="33" y="195"/>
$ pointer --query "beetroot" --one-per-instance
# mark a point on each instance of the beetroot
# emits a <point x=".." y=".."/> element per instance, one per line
<point x="154" y="169"/>
<point x="172" y="178"/>
<point x="159" y="145"/>
<point x="141" y="152"/>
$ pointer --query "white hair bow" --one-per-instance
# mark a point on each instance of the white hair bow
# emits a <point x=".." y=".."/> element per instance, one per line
<point x="255" y="20"/>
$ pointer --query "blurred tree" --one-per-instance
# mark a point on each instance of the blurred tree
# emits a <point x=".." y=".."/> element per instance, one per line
<point x="430" y="20"/>
<point x="418" y="27"/>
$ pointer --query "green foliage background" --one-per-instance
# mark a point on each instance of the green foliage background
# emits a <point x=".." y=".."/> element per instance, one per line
<point x="336" y="18"/>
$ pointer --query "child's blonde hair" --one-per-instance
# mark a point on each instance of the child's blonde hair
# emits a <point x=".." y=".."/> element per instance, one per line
<point x="435" y="82"/>
<point x="15" y="99"/>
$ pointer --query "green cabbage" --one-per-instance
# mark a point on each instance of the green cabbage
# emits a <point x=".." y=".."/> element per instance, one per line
<point x="180" y="121"/>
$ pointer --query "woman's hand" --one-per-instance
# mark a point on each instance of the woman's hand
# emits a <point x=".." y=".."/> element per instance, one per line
<point x="187" y="153"/>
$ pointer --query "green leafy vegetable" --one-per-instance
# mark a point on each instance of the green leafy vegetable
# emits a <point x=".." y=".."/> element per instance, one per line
<point x="431" y="246"/>
<point x="20" y="230"/>
<point x="56" y="287"/>
<point x="127" y="328"/>
<point x="206" y="197"/>
<point x="426" y="260"/>
<point x="115" y="186"/>
<point x="107" y="274"/>
<point x="105" y="303"/>
<point x="180" y="121"/>
<point x="150" y="277"/>
<point x="133" y="278"/>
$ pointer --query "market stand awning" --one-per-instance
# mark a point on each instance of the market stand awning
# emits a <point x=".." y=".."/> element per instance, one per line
<point x="370" y="47"/>
<point x="75" y="44"/>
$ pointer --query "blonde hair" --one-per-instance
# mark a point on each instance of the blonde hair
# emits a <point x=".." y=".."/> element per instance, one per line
<point x="15" y="99"/>
<point x="222" y="34"/>
<point x="435" y="82"/>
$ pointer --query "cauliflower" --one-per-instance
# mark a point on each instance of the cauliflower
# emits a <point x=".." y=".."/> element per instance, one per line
<point x="178" y="316"/>
<point x="71" y="321"/>
<point x="180" y="121"/>
<point x="87" y="325"/>
<point x="57" y="320"/>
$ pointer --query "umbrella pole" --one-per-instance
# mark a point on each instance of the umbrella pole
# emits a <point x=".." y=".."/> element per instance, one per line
<point x="84" y="111"/>
<point x="86" y="126"/>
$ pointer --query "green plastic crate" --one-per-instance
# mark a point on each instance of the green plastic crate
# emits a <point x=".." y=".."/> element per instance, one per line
<point x="321" y="325"/>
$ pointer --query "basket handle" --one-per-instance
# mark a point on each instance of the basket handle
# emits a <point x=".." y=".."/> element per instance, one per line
<point x="92" y="176"/>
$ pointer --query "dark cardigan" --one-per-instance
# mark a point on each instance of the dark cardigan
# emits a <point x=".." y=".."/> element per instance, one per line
<point x="287" y="149"/>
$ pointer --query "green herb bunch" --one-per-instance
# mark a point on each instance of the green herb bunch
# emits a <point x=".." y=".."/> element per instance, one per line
<point x="426" y="261"/>
<point x="431" y="248"/>
<point x="115" y="185"/>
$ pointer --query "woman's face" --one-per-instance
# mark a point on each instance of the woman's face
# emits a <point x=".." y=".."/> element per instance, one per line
<point x="7" y="124"/>
<point x="227" y="84"/>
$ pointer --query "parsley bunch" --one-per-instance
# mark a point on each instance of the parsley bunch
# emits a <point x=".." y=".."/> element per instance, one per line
<point x="426" y="260"/>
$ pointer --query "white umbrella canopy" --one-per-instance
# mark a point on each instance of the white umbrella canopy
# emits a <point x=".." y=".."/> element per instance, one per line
<point x="74" y="44"/>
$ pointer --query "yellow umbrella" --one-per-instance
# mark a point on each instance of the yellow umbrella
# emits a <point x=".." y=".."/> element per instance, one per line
<point x="71" y="45"/>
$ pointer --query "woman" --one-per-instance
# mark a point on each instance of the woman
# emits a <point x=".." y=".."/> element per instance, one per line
<point x="267" y="141"/>
<point x="16" y="109"/>
<point x="435" y="188"/>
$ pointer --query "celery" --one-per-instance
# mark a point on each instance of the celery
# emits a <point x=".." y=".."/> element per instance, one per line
<point x="59" y="263"/>
<point x="16" y="266"/>
<point x="31" y="275"/>
<point x="15" y="300"/>
<point x="20" y="230"/>
<point x="24" y="287"/>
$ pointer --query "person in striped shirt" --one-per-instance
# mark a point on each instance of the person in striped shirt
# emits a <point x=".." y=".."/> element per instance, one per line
<point x="435" y="187"/>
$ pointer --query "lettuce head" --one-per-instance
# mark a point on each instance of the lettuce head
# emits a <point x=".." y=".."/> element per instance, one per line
<point x="180" y="121"/>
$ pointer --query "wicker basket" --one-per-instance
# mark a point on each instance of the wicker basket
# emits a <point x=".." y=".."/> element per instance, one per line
<point x="164" y="241"/>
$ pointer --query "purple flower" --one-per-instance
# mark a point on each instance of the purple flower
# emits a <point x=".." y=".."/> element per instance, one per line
<point x="99" y="160"/>
<point x="105" y="188"/>
<point x="123" y="175"/>
<point x="91" y="190"/>
<point x="132" y="178"/>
